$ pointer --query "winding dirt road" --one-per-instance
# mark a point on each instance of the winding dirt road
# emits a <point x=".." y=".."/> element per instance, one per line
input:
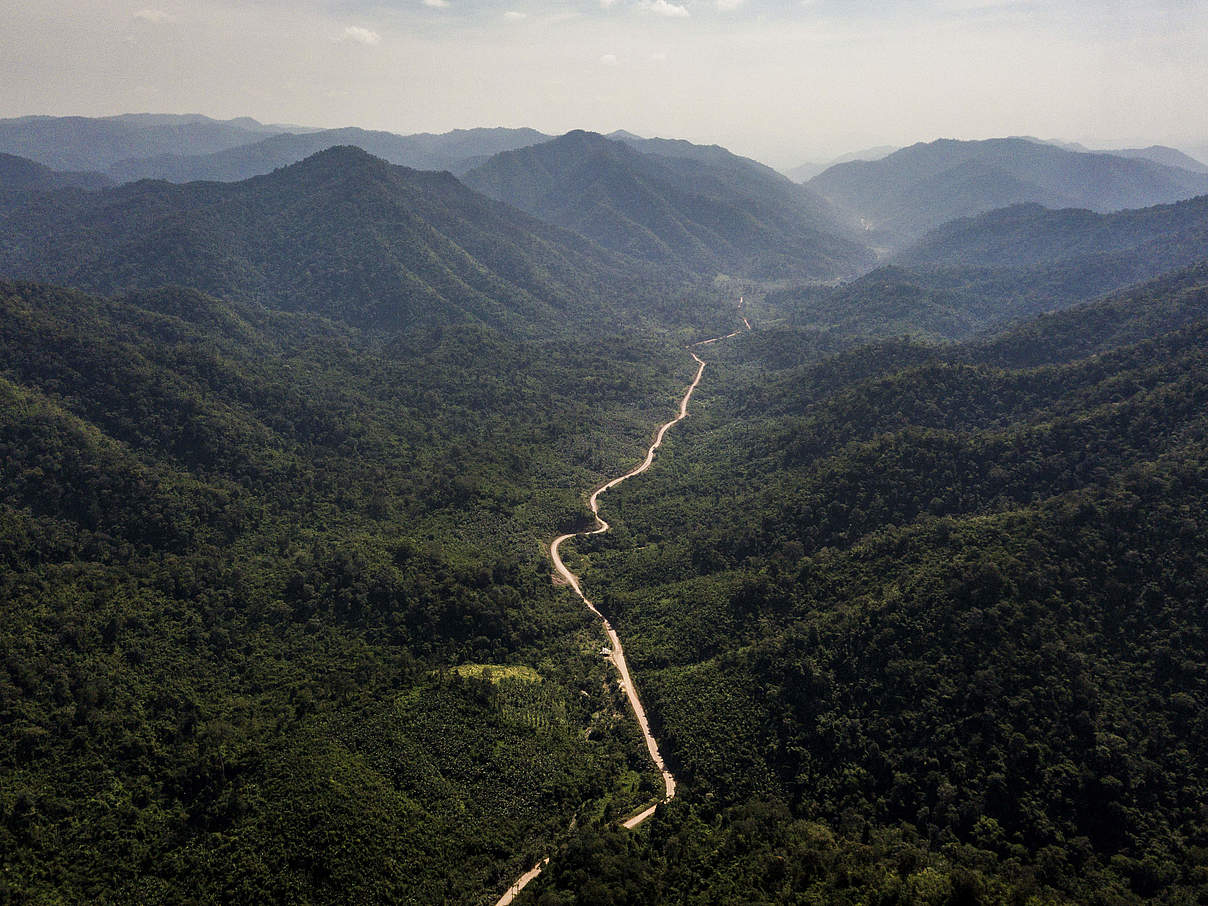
<point x="616" y="653"/>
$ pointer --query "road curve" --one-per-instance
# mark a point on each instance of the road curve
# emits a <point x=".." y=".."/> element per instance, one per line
<point x="616" y="653"/>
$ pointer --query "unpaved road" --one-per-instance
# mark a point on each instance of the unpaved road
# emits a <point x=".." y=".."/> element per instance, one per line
<point x="616" y="654"/>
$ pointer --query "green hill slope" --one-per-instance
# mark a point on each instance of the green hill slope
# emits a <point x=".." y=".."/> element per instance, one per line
<point x="926" y="626"/>
<point x="251" y="567"/>
<point x="976" y="274"/>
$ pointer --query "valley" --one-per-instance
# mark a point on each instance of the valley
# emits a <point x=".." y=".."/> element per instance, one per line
<point x="909" y="576"/>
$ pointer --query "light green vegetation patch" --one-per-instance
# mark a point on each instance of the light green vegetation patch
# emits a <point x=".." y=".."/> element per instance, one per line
<point x="497" y="673"/>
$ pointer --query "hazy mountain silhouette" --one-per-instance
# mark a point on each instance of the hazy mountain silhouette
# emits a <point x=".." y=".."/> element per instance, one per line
<point x="920" y="187"/>
<point x="456" y="151"/>
<point x="808" y="171"/>
<point x="96" y="143"/>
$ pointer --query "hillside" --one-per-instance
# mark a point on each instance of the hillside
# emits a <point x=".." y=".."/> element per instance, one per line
<point x="1158" y="238"/>
<point x="979" y="273"/>
<point x="255" y="568"/>
<point x="807" y="171"/>
<point x="20" y="174"/>
<point x="699" y="211"/>
<point x="455" y="151"/>
<point x="925" y="185"/>
<point x="926" y="625"/>
<point x="342" y="234"/>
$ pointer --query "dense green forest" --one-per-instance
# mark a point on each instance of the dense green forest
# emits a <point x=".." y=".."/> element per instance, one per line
<point x="245" y="555"/>
<point x="925" y="623"/>
<point x="914" y="597"/>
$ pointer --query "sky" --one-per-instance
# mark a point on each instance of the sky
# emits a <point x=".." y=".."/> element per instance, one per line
<point x="784" y="81"/>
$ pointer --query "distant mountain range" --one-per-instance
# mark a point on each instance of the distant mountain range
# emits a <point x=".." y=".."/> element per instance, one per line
<point x="97" y="143"/>
<point x="1162" y="154"/>
<point x="807" y="171"/>
<point x="189" y="148"/>
<point x="699" y="209"/>
<point x="455" y="151"/>
<point x="342" y="234"/>
<point x="920" y="187"/>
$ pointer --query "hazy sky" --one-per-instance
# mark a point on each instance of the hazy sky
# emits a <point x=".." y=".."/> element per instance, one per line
<point x="782" y="80"/>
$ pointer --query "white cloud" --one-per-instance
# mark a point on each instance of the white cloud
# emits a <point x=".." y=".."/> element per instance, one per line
<point x="609" y="59"/>
<point x="513" y="16"/>
<point x="154" y="16"/>
<point x="607" y="4"/>
<point x="358" y="35"/>
<point x="663" y="8"/>
<point x="437" y="4"/>
<point x="727" y="6"/>
<point x="658" y="57"/>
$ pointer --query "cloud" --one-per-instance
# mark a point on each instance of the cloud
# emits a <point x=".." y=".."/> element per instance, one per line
<point x="358" y="35"/>
<point x="658" y="57"/>
<point x="513" y="16"/>
<point x="607" y="4"/>
<point x="154" y="16"/>
<point x="663" y="8"/>
<point x="609" y="59"/>
<point x="437" y="4"/>
<point x="727" y="6"/>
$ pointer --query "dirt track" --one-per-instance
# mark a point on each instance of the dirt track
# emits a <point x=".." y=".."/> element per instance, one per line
<point x="617" y="652"/>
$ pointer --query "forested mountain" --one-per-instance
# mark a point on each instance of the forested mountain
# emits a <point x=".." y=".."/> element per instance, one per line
<point x="256" y="569"/>
<point x="920" y="187"/>
<point x="342" y="234"/>
<point x="701" y="210"/>
<point x="1158" y="238"/>
<point x="456" y="151"/>
<point x="925" y="624"/>
<point x="20" y="174"/>
<point x="974" y="274"/>
<point x="96" y="143"/>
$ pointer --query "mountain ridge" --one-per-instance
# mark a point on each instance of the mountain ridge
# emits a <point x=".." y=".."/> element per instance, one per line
<point x="341" y="233"/>
<point x="920" y="187"/>
<point x="737" y="217"/>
